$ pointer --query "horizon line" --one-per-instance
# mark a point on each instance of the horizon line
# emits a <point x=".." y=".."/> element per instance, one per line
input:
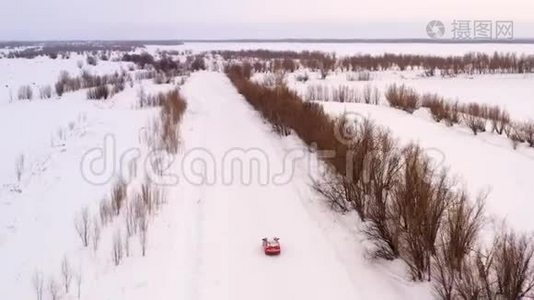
<point x="287" y="40"/>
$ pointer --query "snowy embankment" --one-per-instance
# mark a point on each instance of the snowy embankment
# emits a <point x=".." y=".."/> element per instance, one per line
<point x="485" y="162"/>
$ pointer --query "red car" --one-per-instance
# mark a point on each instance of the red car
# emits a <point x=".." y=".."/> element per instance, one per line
<point x="271" y="246"/>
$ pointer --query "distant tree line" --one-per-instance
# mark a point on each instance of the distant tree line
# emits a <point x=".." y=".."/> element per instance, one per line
<point x="470" y="63"/>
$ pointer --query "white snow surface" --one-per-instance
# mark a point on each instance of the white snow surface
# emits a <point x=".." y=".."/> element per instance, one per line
<point x="43" y="71"/>
<point x="514" y="92"/>
<point x="37" y="224"/>
<point x="205" y="242"/>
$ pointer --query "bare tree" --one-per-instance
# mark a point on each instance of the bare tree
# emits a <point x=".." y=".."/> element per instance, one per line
<point x="499" y="118"/>
<point x="38" y="284"/>
<point x="147" y="196"/>
<point x="383" y="169"/>
<point x="53" y="289"/>
<point x="106" y="212"/>
<point x="82" y="225"/>
<point x="117" y="252"/>
<point x="45" y="92"/>
<point x="118" y="196"/>
<point x="421" y="200"/>
<point x="513" y="132"/>
<point x="376" y="96"/>
<point x="514" y="266"/>
<point x="367" y="94"/>
<point x="66" y="274"/>
<point x="96" y="234"/>
<point x="127" y="245"/>
<point x="143" y="230"/>
<point x="333" y="188"/>
<point x="130" y="218"/>
<point x="527" y="132"/>
<point x="25" y="92"/>
<point x="19" y="167"/>
<point x="473" y="117"/>
<point x="79" y="278"/>
<point x="402" y="97"/>
<point x="454" y="268"/>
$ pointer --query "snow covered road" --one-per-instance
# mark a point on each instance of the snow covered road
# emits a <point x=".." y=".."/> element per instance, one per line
<point x="229" y="216"/>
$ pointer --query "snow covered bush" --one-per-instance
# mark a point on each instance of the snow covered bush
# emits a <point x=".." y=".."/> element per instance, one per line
<point x="513" y="132"/>
<point x="359" y="76"/>
<point x="91" y="60"/>
<point x="118" y="196"/>
<point x="19" y="167"/>
<point x="66" y="274"/>
<point x="345" y="93"/>
<point x="333" y="188"/>
<point x="143" y="231"/>
<point x="99" y="92"/>
<point x="455" y="254"/>
<point x="526" y="130"/>
<point x="172" y="110"/>
<point x="402" y="97"/>
<point x="499" y="119"/>
<point x="367" y="94"/>
<point x="437" y="105"/>
<point x="38" y="285"/>
<point x="53" y="289"/>
<point x="45" y="92"/>
<point x="117" y="248"/>
<point x="302" y="77"/>
<point x="317" y="92"/>
<point x="25" y="92"/>
<point x="106" y="212"/>
<point x="474" y="117"/>
<point x="513" y="266"/>
<point x="197" y="63"/>
<point x="95" y="234"/>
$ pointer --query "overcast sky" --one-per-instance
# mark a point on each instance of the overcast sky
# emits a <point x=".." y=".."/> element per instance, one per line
<point x="205" y="19"/>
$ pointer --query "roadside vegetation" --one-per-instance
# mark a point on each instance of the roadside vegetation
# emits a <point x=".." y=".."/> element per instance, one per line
<point x="411" y="209"/>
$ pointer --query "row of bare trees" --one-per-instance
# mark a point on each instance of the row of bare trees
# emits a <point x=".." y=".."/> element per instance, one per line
<point x="135" y="209"/>
<point x="166" y="132"/>
<point x="477" y="117"/>
<point x="56" y="288"/>
<point x="411" y="209"/>
<point x="67" y="83"/>
<point x="470" y="63"/>
<point x="342" y="93"/>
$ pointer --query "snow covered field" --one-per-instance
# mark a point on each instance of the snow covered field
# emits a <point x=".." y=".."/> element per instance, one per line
<point x="42" y="71"/>
<point x="52" y="136"/>
<point x="515" y="92"/>
<point x="205" y="241"/>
